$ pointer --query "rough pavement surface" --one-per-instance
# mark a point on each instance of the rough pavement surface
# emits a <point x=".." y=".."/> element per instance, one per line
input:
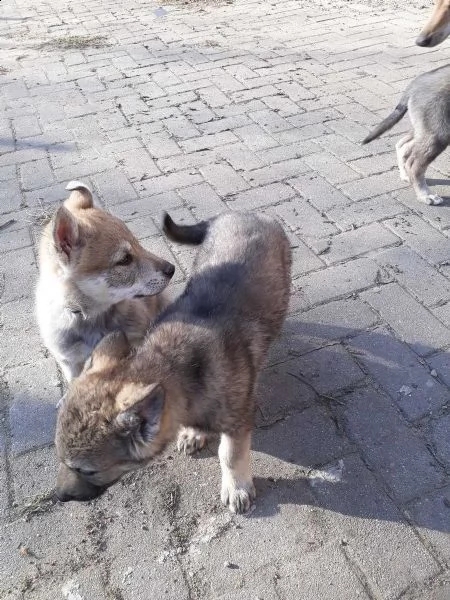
<point x="196" y="108"/>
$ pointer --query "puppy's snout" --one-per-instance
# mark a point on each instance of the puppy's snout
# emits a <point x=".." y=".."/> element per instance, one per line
<point x="423" y="40"/>
<point x="65" y="496"/>
<point x="168" y="269"/>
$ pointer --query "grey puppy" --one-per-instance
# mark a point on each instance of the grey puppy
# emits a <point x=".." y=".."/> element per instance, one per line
<point x="427" y="100"/>
<point x="195" y="373"/>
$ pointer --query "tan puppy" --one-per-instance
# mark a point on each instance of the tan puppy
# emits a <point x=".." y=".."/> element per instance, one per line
<point x="197" y="370"/>
<point x="94" y="278"/>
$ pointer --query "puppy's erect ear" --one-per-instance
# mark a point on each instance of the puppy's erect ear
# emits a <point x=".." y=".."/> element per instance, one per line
<point x="65" y="231"/>
<point x="141" y="420"/>
<point x="81" y="196"/>
<point x="112" y="348"/>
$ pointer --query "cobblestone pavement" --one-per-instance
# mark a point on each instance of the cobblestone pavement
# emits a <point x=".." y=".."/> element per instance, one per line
<point x="255" y="105"/>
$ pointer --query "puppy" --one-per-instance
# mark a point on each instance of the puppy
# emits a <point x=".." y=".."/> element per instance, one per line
<point x="427" y="99"/>
<point x="197" y="369"/>
<point x="94" y="278"/>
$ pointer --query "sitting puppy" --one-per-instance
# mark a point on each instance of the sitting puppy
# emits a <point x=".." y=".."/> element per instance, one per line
<point x="427" y="99"/>
<point x="94" y="278"/>
<point x="196" y="370"/>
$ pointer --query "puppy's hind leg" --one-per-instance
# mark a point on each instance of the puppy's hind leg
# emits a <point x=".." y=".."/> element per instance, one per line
<point x="190" y="440"/>
<point x="424" y="151"/>
<point x="238" y="490"/>
<point x="403" y="149"/>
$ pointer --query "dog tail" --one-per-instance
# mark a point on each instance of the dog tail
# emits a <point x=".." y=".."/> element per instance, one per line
<point x="185" y="234"/>
<point x="81" y="196"/>
<point x="396" y="115"/>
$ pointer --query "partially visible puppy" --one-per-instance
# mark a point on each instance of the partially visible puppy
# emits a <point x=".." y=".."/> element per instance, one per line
<point x="197" y="369"/>
<point x="427" y="101"/>
<point x="94" y="278"/>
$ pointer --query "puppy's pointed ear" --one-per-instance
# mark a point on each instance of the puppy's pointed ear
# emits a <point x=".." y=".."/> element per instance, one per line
<point x="108" y="351"/>
<point x="81" y="196"/>
<point x="65" y="231"/>
<point x="141" y="420"/>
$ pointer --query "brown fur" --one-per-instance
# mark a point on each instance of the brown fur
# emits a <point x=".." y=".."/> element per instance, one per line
<point x="92" y="269"/>
<point x="196" y="371"/>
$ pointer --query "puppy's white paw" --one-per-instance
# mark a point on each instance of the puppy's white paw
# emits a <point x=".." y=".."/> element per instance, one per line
<point x="190" y="440"/>
<point x="432" y="199"/>
<point x="404" y="176"/>
<point x="238" y="497"/>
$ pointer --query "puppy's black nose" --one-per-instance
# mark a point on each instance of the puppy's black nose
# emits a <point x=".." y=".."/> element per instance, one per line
<point x="62" y="496"/>
<point x="423" y="40"/>
<point x="168" y="269"/>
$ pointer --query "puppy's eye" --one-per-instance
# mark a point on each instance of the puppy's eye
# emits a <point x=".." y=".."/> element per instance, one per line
<point x="127" y="259"/>
<point x="86" y="472"/>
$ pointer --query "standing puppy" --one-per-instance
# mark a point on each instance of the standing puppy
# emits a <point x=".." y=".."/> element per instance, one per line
<point x="94" y="278"/>
<point x="427" y="100"/>
<point x="197" y="369"/>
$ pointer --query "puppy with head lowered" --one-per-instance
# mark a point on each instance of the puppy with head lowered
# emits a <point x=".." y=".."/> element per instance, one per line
<point x="195" y="373"/>
<point x="94" y="278"/>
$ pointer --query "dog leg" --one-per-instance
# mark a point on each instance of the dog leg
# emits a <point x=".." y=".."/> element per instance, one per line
<point x="190" y="440"/>
<point x="403" y="149"/>
<point x="422" y="154"/>
<point x="238" y="490"/>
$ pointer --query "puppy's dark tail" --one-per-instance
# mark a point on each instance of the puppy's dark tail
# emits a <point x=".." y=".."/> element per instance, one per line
<point x="396" y="115"/>
<point x="185" y="234"/>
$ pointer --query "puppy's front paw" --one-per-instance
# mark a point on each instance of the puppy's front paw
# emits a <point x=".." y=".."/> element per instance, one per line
<point x="238" y="497"/>
<point x="432" y="199"/>
<point x="190" y="440"/>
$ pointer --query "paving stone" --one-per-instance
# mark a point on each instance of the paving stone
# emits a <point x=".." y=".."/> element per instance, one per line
<point x="261" y="196"/>
<point x="421" y="237"/>
<point x="414" y="273"/>
<point x="34" y="394"/>
<point x="303" y="219"/>
<point x="439" y="362"/>
<point x="19" y="274"/>
<point x="360" y="241"/>
<point x="365" y="212"/>
<point x="36" y="174"/>
<point x="397" y="369"/>
<point x="34" y="474"/>
<point x="430" y="514"/>
<point x="322" y="195"/>
<point x="340" y="280"/>
<point x="223" y="178"/>
<point x="395" y="451"/>
<point x="276" y="172"/>
<point x="202" y="200"/>
<point x="373" y="533"/>
<point x="331" y="168"/>
<point x="414" y="324"/>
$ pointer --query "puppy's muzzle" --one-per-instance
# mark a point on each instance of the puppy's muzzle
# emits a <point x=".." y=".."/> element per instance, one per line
<point x="71" y="486"/>
<point x="424" y="40"/>
<point x="168" y="270"/>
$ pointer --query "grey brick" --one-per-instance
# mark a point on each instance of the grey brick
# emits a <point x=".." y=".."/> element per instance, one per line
<point x="13" y="240"/>
<point x="161" y="145"/>
<point x="193" y="160"/>
<point x="225" y="124"/>
<point x="416" y="326"/>
<point x="255" y="138"/>
<point x="375" y="165"/>
<point x="430" y="514"/>
<point x="373" y="185"/>
<point x="439" y="362"/>
<point x="414" y="273"/>
<point x="114" y="187"/>
<point x="440" y="438"/>
<point x="270" y="120"/>
<point x="165" y="183"/>
<point x="10" y="196"/>
<point x="282" y="153"/>
<point x="304" y="219"/>
<point x="153" y="205"/>
<point x="330" y="167"/>
<point x="303" y="259"/>
<point x="33" y="406"/>
<point x="340" y="280"/>
<point x="19" y="273"/>
<point x="26" y="126"/>
<point x="239" y="157"/>
<point x="24" y="469"/>
<point x="208" y="141"/>
<point x="36" y="174"/>
<point x="276" y="172"/>
<point x="295" y="91"/>
<point x="297" y="579"/>
<point x="262" y="196"/>
<point x="213" y="97"/>
<point x="365" y="212"/>
<point x="397" y="369"/>
<point x="343" y="148"/>
<point x="181" y="128"/>
<point x="353" y="243"/>
<point x="253" y="94"/>
<point x="322" y="195"/>
<point x="376" y="537"/>
<point x="392" y="449"/>
<point x="423" y="238"/>
<point x="202" y="200"/>
<point x="137" y="164"/>
<point x="323" y="442"/>
<point x="223" y="178"/>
